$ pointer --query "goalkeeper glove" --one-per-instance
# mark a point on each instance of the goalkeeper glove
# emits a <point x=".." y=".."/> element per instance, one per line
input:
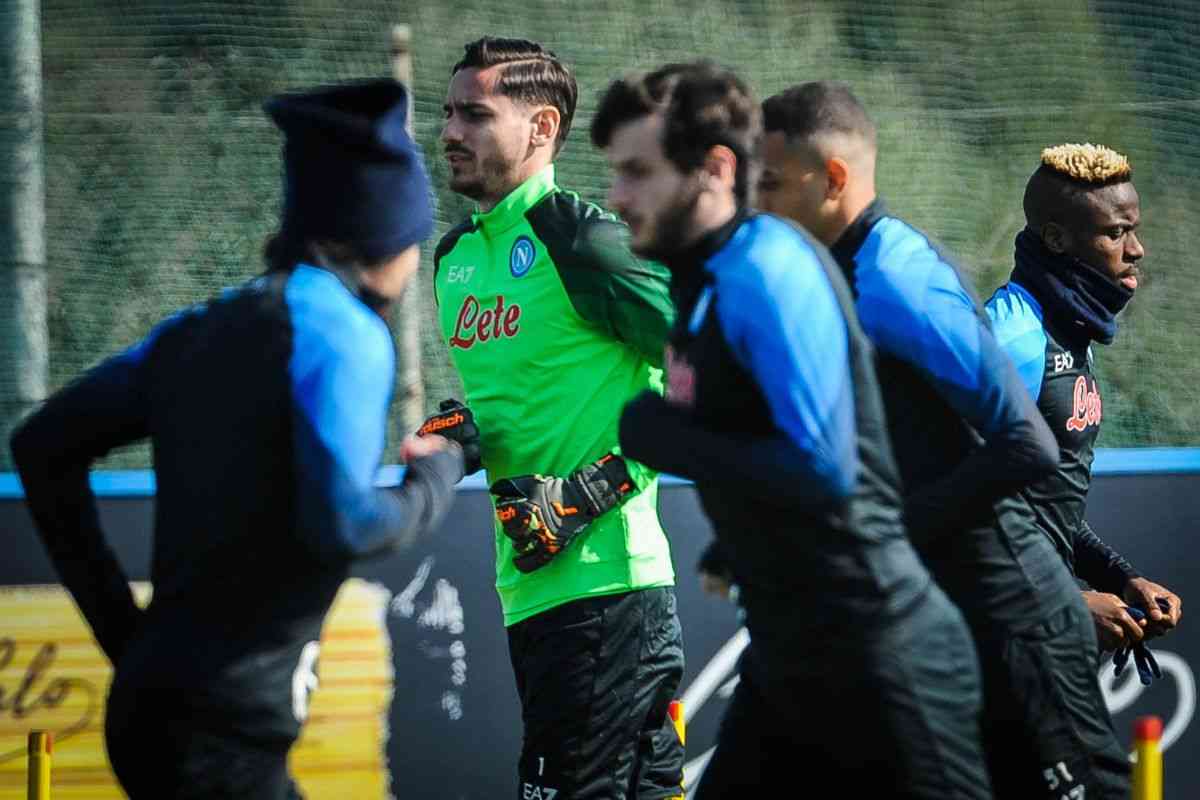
<point x="541" y="515"/>
<point x="1144" y="660"/>
<point x="456" y="422"/>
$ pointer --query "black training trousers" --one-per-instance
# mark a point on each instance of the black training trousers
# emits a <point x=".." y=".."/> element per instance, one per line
<point x="898" y="717"/>
<point x="161" y="751"/>
<point x="595" y="677"/>
<point x="1049" y="735"/>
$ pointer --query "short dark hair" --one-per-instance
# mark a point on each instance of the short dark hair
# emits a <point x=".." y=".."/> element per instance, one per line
<point x="702" y="104"/>
<point x="532" y="75"/>
<point x="817" y="107"/>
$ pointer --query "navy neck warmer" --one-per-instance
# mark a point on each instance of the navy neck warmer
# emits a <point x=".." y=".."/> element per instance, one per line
<point x="1081" y="301"/>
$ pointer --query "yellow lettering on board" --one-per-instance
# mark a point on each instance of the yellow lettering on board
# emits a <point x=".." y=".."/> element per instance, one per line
<point x="53" y="677"/>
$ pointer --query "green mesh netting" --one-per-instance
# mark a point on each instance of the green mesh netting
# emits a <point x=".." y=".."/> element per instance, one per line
<point x="162" y="175"/>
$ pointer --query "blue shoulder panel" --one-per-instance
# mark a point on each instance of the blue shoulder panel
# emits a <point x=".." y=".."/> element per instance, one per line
<point x="342" y="372"/>
<point x="1017" y="323"/>
<point x="782" y="321"/>
<point x="914" y="306"/>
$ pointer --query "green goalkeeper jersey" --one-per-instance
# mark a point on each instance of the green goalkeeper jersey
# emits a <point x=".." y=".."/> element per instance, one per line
<point x="553" y="326"/>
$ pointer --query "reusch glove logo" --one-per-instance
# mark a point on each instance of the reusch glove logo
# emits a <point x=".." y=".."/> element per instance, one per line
<point x="541" y="515"/>
<point x="435" y="424"/>
<point x="478" y="324"/>
<point x="456" y="422"/>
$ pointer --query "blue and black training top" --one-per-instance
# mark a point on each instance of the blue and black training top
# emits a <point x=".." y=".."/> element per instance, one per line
<point x="783" y="433"/>
<point x="1058" y="372"/>
<point x="266" y="410"/>
<point x="966" y="436"/>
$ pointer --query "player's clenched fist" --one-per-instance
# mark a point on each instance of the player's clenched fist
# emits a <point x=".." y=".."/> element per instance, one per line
<point x="456" y="422"/>
<point x="541" y="515"/>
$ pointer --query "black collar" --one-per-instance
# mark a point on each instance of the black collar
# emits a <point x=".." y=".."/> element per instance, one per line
<point x="851" y="240"/>
<point x="691" y="258"/>
<point x="688" y="275"/>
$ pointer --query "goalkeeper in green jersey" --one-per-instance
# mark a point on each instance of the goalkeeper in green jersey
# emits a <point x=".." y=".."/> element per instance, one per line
<point x="553" y="326"/>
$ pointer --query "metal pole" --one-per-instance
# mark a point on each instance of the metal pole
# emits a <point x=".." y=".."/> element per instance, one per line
<point x="41" y="748"/>
<point x="412" y="386"/>
<point x="24" y="340"/>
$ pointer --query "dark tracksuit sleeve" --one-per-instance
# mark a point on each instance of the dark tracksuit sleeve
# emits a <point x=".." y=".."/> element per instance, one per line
<point x="927" y="319"/>
<point x="53" y="450"/>
<point x="611" y="287"/>
<point x="799" y="355"/>
<point x="342" y="377"/>
<point x="1098" y="564"/>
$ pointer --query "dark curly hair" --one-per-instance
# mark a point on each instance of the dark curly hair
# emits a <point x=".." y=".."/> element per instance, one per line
<point x="703" y="105"/>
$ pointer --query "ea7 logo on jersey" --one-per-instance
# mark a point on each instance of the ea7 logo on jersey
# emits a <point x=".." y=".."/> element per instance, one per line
<point x="1088" y="409"/>
<point x="1063" y="361"/>
<point x="478" y="324"/>
<point x="459" y="274"/>
<point x="531" y="791"/>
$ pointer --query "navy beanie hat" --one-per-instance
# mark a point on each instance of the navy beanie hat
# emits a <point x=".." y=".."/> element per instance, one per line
<point x="351" y="171"/>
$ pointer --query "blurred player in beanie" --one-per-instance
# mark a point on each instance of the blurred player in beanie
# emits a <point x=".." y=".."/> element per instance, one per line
<point x="967" y="439"/>
<point x="553" y="325"/>
<point x="859" y="668"/>
<point x="1077" y="266"/>
<point x="266" y="409"/>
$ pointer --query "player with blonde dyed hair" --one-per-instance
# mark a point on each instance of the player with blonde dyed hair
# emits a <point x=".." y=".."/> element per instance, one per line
<point x="1092" y="163"/>
<point x="1077" y="266"/>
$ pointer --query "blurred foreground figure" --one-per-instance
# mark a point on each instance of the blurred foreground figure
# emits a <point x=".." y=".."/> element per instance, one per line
<point x="266" y="408"/>
<point x="859" y="668"/>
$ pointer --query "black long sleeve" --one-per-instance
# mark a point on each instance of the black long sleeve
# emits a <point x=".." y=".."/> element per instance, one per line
<point x="424" y="498"/>
<point x="1098" y="564"/>
<point x="662" y="436"/>
<point x="53" y="450"/>
<point x="1009" y="460"/>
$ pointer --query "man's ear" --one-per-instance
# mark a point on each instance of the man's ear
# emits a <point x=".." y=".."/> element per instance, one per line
<point x="546" y="121"/>
<point x="719" y="168"/>
<point x="1055" y="237"/>
<point x="837" y="176"/>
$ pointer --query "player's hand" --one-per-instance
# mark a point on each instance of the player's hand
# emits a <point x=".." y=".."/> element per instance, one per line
<point x="542" y="515"/>
<point x="1163" y="607"/>
<point x="456" y="422"/>
<point x="1115" y="626"/>
<point x="414" y="447"/>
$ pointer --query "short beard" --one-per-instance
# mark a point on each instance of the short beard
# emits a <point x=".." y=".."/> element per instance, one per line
<point x="671" y="228"/>
<point x="490" y="180"/>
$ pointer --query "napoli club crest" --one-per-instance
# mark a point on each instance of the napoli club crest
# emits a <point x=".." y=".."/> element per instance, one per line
<point x="520" y="260"/>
